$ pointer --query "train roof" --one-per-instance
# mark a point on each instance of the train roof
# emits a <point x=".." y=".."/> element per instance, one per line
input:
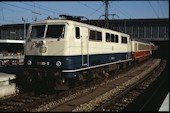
<point x="140" y="40"/>
<point x="72" y="21"/>
<point x="12" y="41"/>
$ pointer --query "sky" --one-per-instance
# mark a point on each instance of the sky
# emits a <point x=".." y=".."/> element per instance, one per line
<point x="29" y="11"/>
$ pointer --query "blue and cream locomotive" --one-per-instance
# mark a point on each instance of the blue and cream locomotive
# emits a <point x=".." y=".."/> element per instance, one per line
<point x="60" y="51"/>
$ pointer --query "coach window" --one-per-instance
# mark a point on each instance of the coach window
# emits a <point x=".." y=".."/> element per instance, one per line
<point x="116" y="39"/>
<point x="124" y="39"/>
<point x="107" y="37"/>
<point x="141" y="47"/>
<point x="77" y="32"/>
<point x="147" y="47"/>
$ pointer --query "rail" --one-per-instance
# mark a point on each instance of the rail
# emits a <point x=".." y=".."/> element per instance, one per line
<point x="133" y="89"/>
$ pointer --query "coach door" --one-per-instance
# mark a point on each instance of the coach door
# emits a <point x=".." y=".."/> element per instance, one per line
<point x="84" y="46"/>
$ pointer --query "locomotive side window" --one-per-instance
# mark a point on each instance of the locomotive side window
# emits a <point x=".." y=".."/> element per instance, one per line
<point x="124" y="39"/>
<point x="37" y="31"/>
<point x="112" y="37"/>
<point x="55" y="31"/>
<point x="99" y="35"/>
<point x="116" y="39"/>
<point x="95" y="35"/>
<point x="107" y="37"/>
<point x="77" y="32"/>
<point x="92" y="35"/>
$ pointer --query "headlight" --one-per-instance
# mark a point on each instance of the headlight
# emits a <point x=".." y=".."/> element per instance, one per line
<point x="43" y="50"/>
<point x="43" y="42"/>
<point x="29" y="62"/>
<point x="58" y="63"/>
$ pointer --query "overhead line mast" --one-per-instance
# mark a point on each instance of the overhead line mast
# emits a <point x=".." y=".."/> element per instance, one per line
<point x="106" y="13"/>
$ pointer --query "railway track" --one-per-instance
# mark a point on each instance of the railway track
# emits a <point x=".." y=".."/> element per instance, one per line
<point x="120" y="102"/>
<point x="104" y="92"/>
<point x="24" y="102"/>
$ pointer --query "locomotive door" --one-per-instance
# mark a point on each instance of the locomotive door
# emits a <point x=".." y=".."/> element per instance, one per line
<point x="84" y="46"/>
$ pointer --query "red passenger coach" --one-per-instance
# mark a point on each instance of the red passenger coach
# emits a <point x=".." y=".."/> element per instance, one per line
<point x="141" y="50"/>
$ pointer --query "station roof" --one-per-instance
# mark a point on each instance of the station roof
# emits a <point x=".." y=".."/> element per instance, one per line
<point x="12" y="41"/>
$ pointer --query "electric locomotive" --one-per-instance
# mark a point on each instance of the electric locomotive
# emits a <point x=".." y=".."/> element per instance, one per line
<point x="61" y="52"/>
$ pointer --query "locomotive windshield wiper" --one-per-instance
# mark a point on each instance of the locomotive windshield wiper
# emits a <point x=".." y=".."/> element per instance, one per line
<point x="62" y="34"/>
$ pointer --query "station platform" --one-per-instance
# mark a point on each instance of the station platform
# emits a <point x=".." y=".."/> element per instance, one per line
<point x="5" y="77"/>
<point x="165" y="104"/>
<point x="7" y="88"/>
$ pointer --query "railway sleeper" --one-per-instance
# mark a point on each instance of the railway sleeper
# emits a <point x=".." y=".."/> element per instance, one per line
<point x="14" y="104"/>
<point x="123" y="101"/>
<point x="3" y="108"/>
<point x="23" y="101"/>
<point x="121" y="104"/>
<point x="116" y="108"/>
<point x="126" y="99"/>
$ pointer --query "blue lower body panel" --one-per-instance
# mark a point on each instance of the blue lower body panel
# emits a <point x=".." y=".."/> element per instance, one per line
<point x="72" y="65"/>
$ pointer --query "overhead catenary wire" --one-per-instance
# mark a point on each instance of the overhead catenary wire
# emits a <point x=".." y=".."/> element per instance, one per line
<point x="50" y="9"/>
<point x="90" y="7"/>
<point x="153" y="10"/>
<point x="2" y="12"/>
<point x="160" y="8"/>
<point x="33" y="11"/>
<point x="121" y="11"/>
<point x="40" y="8"/>
<point x="6" y="19"/>
<point x="17" y="11"/>
<point x="96" y="10"/>
<point x="25" y="8"/>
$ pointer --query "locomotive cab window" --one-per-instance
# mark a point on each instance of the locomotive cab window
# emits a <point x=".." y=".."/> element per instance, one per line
<point x="55" y="31"/>
<point x="124" y="40"/>
<point x="38" y="31"/>
<point x="77" y="30"/>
